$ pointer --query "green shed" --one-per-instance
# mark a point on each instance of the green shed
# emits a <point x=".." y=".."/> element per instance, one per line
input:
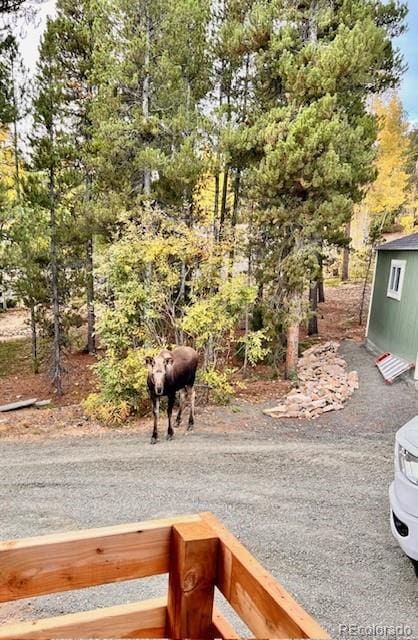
<point x="392" y="324"/>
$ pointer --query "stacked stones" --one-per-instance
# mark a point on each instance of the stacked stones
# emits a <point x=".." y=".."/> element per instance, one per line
<point x="324" y="385"/>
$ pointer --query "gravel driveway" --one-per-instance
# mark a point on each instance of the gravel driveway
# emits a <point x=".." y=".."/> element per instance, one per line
<point x="308" y="499"/>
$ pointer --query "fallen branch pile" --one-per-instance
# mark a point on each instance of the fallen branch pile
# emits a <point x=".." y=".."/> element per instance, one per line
<point x="325" y="384"/>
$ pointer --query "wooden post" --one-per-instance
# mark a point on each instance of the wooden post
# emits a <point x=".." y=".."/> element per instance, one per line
<point x="193" y="567"/>
<point x="263" y="604"/>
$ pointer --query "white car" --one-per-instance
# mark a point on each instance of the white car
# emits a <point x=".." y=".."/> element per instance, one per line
<point x="403" y="491"/>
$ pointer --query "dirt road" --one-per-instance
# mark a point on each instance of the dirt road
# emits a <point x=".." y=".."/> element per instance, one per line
<point x="308" y="499"/>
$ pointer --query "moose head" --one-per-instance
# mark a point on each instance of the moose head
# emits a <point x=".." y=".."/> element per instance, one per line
<point x="159" y="370"/>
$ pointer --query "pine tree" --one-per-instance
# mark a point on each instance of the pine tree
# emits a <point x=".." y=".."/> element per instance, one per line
<point x="313" y="138"/>
<point x="27" y="257"/>
<point x="127" y="124"/>
<point x="149" y="84"/>
<point x="48" y="143"/>
<point x="75" y="26"/>
<point x="7" y="49"/>
<point x="231" y="96"/>
<point x="10" y="6"/>
<point x="152" y="73"/>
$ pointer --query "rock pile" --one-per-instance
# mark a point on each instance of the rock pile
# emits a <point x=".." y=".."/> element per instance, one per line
<point x="324" y="384"/>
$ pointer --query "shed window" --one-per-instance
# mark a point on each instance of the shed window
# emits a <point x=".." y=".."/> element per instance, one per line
<point x="396" y="276"/>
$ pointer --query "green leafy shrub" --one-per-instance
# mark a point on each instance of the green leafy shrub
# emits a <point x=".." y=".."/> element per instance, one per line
<point x="211" y="320"/>
<point x="219" y="384"/>
<point x="109" y="413"/>
<point x="123" y="388"/>
<point x="154" y="303"/>
<point x="254" y="343"/>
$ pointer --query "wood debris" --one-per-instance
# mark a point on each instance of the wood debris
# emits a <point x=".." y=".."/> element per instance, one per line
<point x="40" y="404"/>
<point x="324" y="385"/>
<point x="22" y="404"/>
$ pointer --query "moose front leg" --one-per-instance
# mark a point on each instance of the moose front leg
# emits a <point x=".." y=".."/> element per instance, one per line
<point x="170" y="405"/>
<point x="155" y="411"/>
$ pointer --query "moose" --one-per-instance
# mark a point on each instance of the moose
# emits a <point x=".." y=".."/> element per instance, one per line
<point x="169" y="372"/>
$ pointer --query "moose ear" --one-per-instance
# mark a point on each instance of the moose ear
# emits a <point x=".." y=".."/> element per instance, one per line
<point x="168" y="360"/>
<point x="149" y="360"/>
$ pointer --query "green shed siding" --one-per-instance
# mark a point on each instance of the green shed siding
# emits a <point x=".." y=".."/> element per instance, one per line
<point x="393" y="324"/>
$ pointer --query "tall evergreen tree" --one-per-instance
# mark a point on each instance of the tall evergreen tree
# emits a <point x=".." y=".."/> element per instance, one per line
<point x="313" y="137"/>
<point x="230" y="98"/>
<point x="10" y="6"/>
<point x="74" y="26"/>
<point x="48" y="143"/>
<point x="149" y="88"/>
<point x="152" y="72"/>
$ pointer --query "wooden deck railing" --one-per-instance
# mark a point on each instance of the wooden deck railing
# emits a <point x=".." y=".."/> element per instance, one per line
<point x="197" y="552"/>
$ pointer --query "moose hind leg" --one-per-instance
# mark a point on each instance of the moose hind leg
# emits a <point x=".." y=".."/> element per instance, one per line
<point x="192" y="394"/>
<point x="155" y="411"/>
<point x="171" y="401"/>
<point x="181" y="406"/>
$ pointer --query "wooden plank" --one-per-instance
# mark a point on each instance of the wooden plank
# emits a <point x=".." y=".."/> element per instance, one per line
<point x="222" y="628"/>
<point x="22" y="404"/>
<point x="264" y="605"/>
<point x="191" y="586"/>
<point x="145" y="619"/>
<point x="40" y="404"/>
<point x="62" y="562"/>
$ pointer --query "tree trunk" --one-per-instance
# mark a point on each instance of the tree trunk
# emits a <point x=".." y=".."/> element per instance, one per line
<point x="346" y="255"/>
<point x="224" y="203"/>
<point x="363" y="293"/>
<point x="292" y="351"/>
<point x="146" y="93"/>
<point x="89" y="267"/>
<point x="292" y="354"/>
<point x="216" y="207"/>
<point x="234" y="219"/>
<point x="249" y="277"/>
<point x="321" y="290"/>
<point x="313" y="309"/>
<point x="34" y="339"/>
<point x="237" y="181"/>
<point x="56" y="372"/>
<point x="3" y="295"/>
<point x="313" y="26"/>
<point x="15" y="138"/>
<point x="181" y="303"/>
<point x="91" y="317"/>
<point x="209" y="355"/>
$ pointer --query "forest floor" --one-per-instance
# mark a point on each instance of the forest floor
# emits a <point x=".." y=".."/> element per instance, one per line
<point x="337" y="320"/>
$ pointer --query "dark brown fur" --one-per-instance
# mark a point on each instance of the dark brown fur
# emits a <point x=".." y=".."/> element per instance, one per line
<point x="169" y="372"/>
